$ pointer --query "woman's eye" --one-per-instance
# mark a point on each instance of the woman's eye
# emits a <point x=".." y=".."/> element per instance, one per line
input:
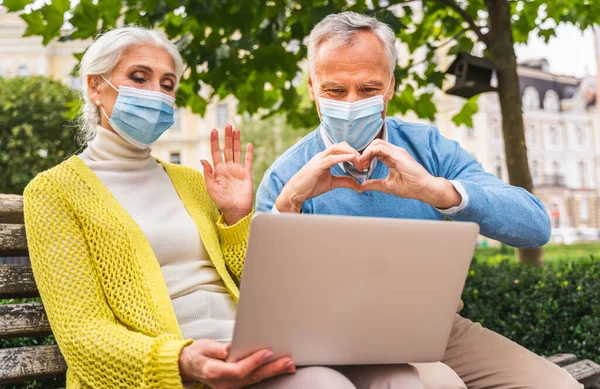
<point x="167" y="87"/>
<point x="137" y="79"/>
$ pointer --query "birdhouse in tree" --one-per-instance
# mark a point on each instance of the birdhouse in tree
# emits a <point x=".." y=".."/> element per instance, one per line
<point x="473" y="75"/>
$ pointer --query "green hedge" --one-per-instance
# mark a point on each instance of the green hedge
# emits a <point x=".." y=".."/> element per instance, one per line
<point x="549" y="310"/>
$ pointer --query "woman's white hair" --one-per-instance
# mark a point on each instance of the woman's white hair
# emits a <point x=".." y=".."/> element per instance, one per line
<point x="104" y="55"/>
<point x="342" y="29"/>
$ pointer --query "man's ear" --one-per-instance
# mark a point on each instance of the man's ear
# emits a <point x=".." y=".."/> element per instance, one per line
<point x="311" y="89"/>
<point x="391" y="89"/>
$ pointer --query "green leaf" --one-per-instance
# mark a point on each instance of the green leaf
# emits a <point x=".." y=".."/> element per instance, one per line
<point x="16" y="5"/>
<point x="85" y="20"/>
<point x="35" y="23"/>
<point x="465" y="116"/>
<point x="424" y="107"/>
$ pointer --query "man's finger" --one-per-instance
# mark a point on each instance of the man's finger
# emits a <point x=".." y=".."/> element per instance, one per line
<point x="237" y="148"/>
<point x="376" y="185"/>
<point x="379" y="151"/>
<point x="332" y="160"/>
<point x="228" y="144"/>
<point x="345" y="182"/>
<point x="249" y="157"/>
<point x="215" y="148"/>
<point x="340" y="148"/>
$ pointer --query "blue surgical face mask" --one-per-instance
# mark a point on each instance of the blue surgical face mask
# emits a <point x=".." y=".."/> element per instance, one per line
<point x="140" y="116"/>
<point x="356" y="123"/>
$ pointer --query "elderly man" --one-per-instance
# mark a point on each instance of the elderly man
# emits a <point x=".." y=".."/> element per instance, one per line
<point x="358" y="162"/>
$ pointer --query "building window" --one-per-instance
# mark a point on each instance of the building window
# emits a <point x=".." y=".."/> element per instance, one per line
<point x="222" y="115"/>
<point x="177" y="119"/>
<point x="555" y="214"/>
<point x="23" y="71"/>
<point x="584" y="213"/>
<point x="175" y="158"/>
<point x="498" y="167"/>
<point x="534" y="171"/>
<point x="531" y="98"/>
<point x="582" y="172"/>
<point x="551" y="101"/>
<point x="553" y="136"/>
<point x="580" y="136"/>
<point x="495" y="128"/>
<point x="531" y="134"/>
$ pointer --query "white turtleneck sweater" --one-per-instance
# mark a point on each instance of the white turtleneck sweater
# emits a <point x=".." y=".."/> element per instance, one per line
<point x="203" y="307"/>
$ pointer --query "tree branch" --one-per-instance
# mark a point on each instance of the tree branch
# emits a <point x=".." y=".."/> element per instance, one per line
<point x="454" y="5"/>
<point x="451" y="39"/>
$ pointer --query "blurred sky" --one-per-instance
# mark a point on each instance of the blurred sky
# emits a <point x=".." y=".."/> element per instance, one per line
<point x="571" y="52"/>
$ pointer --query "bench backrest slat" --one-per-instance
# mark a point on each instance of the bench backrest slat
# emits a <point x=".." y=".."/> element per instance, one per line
<point x="17" y="281"/>
<point x="11" y="209"/>
<point x="30" y="363"/>
<point x="27" y="319"/>
<point x="13" y="240"/>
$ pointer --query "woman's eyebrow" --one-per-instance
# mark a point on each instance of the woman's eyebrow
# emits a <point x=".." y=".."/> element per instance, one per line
<point x="149" y="70"/>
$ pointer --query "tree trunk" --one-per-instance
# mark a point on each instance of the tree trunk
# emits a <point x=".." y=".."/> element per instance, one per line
<point x="500" y="45"/>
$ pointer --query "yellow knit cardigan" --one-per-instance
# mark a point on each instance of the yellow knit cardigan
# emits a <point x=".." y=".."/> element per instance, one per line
<point x="101" y="284"/>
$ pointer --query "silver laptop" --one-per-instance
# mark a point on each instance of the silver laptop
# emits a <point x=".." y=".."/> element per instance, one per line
<point x="339" y="290"/>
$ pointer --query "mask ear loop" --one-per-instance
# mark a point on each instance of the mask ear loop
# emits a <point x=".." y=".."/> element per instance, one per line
<point x="388" y="86"/>
<point x="101" y="107"/>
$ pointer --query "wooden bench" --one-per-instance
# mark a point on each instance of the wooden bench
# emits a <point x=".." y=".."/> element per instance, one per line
<point x="20" y="364"/>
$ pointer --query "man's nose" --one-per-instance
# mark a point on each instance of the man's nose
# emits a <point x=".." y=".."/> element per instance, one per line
<point x="351" y="97"/>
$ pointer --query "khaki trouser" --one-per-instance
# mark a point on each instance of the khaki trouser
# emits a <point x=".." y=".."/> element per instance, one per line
<point x="481" y="358"/>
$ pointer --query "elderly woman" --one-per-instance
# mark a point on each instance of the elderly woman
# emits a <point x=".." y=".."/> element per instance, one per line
<point x="138" y="261"/>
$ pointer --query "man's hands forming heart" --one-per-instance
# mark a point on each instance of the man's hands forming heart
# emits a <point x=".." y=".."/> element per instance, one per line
<point x="406" y="177"/>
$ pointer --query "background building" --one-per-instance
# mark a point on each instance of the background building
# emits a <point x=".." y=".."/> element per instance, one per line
<point x="561" y="132"/>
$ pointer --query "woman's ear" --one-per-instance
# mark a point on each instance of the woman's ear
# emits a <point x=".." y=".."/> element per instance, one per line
<point x="93" y="84"/>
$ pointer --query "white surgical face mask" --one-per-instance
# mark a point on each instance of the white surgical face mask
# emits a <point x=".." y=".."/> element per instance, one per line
<point x="140" y="116"/>
<point x="356" y="123"/>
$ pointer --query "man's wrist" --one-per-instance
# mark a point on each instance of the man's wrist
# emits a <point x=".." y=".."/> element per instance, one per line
<point x="288" y="203"/>
<point x="442" y="194"/>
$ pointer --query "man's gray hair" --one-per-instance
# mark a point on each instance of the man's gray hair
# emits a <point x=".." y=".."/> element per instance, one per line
<point x="343" y="27"/>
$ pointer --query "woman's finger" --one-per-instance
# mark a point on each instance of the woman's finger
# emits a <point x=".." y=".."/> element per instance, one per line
<point x="241" y="369"/>
<point x="237" y="149"/>
<point x="215" y="350"/>
<point x="215" y="148"/>
<point x="228" y="144"/>
<point x="249" y="157"/>
<point x="284" y="365"/>
<point x="208" y="170"/>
